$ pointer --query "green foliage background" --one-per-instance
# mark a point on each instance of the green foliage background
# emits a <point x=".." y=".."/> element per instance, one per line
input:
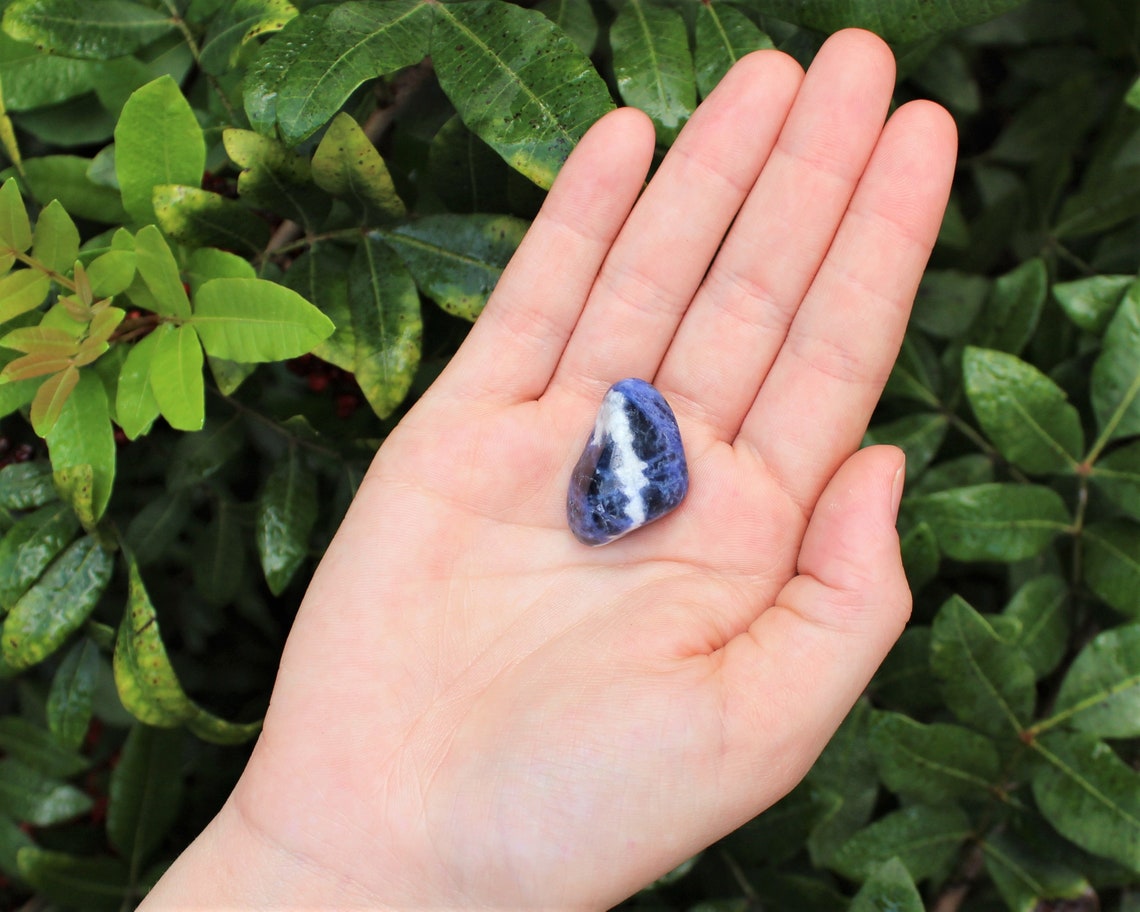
<point x="238" y="239"/>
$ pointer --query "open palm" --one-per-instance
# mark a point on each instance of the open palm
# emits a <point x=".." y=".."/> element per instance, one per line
<point x="473" y="708"/>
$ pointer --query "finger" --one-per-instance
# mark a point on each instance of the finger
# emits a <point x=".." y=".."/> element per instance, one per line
<point x="810" y="656"/>
<point x="668" y="241"/>
<point x="739" y="317"/>
<point x="511" y="352"/>
<point x="814" y="405"/>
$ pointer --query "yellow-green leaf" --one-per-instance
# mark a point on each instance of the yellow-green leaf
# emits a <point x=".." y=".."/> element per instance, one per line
<point x="51" y="397"/>
<point x="176" y="378"/>
<point x="55" y="243"/>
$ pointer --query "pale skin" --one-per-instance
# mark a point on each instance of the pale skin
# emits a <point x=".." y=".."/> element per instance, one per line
<point x="476" y="711"/>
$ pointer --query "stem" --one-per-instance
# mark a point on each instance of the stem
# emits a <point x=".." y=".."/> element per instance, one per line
<point x="278" y="428"/>
<point x="196" y="53"/>
<point x="35" y="264"/>
<point x="965" y="428"/>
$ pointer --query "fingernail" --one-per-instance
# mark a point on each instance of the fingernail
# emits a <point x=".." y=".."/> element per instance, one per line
<point x="897" y="485"/>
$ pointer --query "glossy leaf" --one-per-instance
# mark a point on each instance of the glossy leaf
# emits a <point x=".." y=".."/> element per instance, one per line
<point x="574" y="18"/>
<point x="1118" y="476"/>
<point x="919" y="435"/>
<point x="144" y="793"/>
<point x="197" y="457"/>
<point x="111" y="273"/>
<point x="653" y="65"/>
<point x="468" y="175"/>
<point x="206" y="263"/>
<point x="457" y="259"/>
<point x="30" y="546"/>
<point x="72" y="695"/>
<point x="25" y="486"/>
<point x="1026" y="878"/>
<point x="890" y="887"/>
<point x="286" y="512"/>
<point x="157" y="141"/>
<point x="925" y="840"/>
<point x="73" y="28"/>
<point x="41" y="800"/>
<point x="82" y="449"/>
<point x="347" y="165"/>
<point x="80" y="882"/>
<point x="1101" y="690"/>
<point x="1089" y="795"/>
<point x="1116" y="374"/>
<point x="15" y="229"/>
<point x="517" y="82"/>
<point x="1023" y="413"/>
<point x="159" y="270"/>
<point x="275" y="178"/>
<point x="1013" y="308"/>
<point x="204" y="219"/>
<point x="386" y="323"/>
<point x="723" y="36"/>
<point x="219" y="556"/>
<point x="237" y="24"/>
<point x="320" y="275"/>
<point x="32" y="79"/>
<point x="985" y="680"/>
<point x="156" y="526"/>
<point x="920" y="555"/>
<point x="932" y="763"/>
<point x="994" y="522"/>
<point x="21" y="291"/>
<point x="1091" y="302"/>
<point x="135" y="405"/>
<point x="51" y="397"/>
<point x="305" y="73"/>
<point x="898" y="21"/>
<point x="67" y="178"/>
<point x="1112" y="563"/>
<point x="252" y="320"/>
<point x="55" y="242"/>
<point x="52" y="609"/>
<point x="176" y="377"/>
<point x="1044" y="610"/>
<point x="38" y="748"/>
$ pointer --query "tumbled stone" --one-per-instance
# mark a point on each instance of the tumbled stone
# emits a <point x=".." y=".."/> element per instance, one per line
<point x="633" y="469"/>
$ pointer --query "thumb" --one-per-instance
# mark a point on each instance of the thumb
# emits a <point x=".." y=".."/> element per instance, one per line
<point x="809" y="656"/>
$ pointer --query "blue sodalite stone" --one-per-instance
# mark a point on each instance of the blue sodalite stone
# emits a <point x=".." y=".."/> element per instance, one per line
<point x="633" y="469"/>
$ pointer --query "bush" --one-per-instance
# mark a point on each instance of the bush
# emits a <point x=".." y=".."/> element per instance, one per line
<point x="357" y="174"/>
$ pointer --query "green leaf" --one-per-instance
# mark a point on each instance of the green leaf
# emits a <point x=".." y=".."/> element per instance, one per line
<point x="156" y="526"/>
<point x="145" y="792"/>
<point x="1118" y="476"/>
<point x="993" y="522"/>
<point x="236" y="25"/>
<point x="925" y="840"/>
<point x="22" y="291"/>
<point x="12" y="840"/>
<point x="159" y="270"/>
<point x="723" y="36"/>
<point x="275" y="178"/>
<point x="1100" y="694"/>
<point x="144" y="677"/>
<point x="347" y="165"/>
<point x="51" y="610"/>
<point x="38" y="749"/>
<point x="33" y="79"/>
<point x="286" y="513"/>
<point x="197" y="457"/>
<point x="889" y="887"/>
<point x="1089" y="795"/>
<point x="920" y="555"/>
<point x="1090" y="303"/>
<point x="111" y="28"/>
<point x="1043" y="609"/>
<point x="82" y="449"/>
<point x="30" y="546"/>
<point x="15" y="229"/>
<point x="30" y="795"/>
<point x="210" y="728"/>
<point x="219" y="556"/>
<point x="575" y="19"/>
<point x="320" y="275"/>
<point x="53" y="393"/>
<point x="517" y="82"/>
<point x="205" y="264"/>
<point x="1025" y="878"/>
<point x="67" y="178"/>
<point x="1023" y="413"/>
<point x="1112" y="563"/>
<point x="89" y="883"/>
<point x="985" y="680"/>
<point x="25" y="486"/>
<point x="780" y="832"/>
<point x="466" y="173"/>
<point x="72" y="695"/>
<point x="920" y="436"/>
<point x="653" y="65"/>
<point x="176" y="377"/>
<point x="904" y="681"/>
<point x="457" y="259"/>
<point x="386" y="323"/>
<point x="306" y="72"/>
<point x="201" y="218"/>
<point x="157" y="142"/>
<point x="135" y="405"/>
<point x="1116" y="374"/>
<point x="1011" y="311"/>
<point x="932" y="764"/>
<point x="252" y="320"/>
<point x="55" y="243"/>
<point x="897" y="21"/>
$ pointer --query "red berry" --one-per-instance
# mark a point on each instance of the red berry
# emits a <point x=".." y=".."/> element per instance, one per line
<point x="318" y="383"/>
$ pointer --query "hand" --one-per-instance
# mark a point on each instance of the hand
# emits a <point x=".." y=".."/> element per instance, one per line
<point x="474" y="709"/>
